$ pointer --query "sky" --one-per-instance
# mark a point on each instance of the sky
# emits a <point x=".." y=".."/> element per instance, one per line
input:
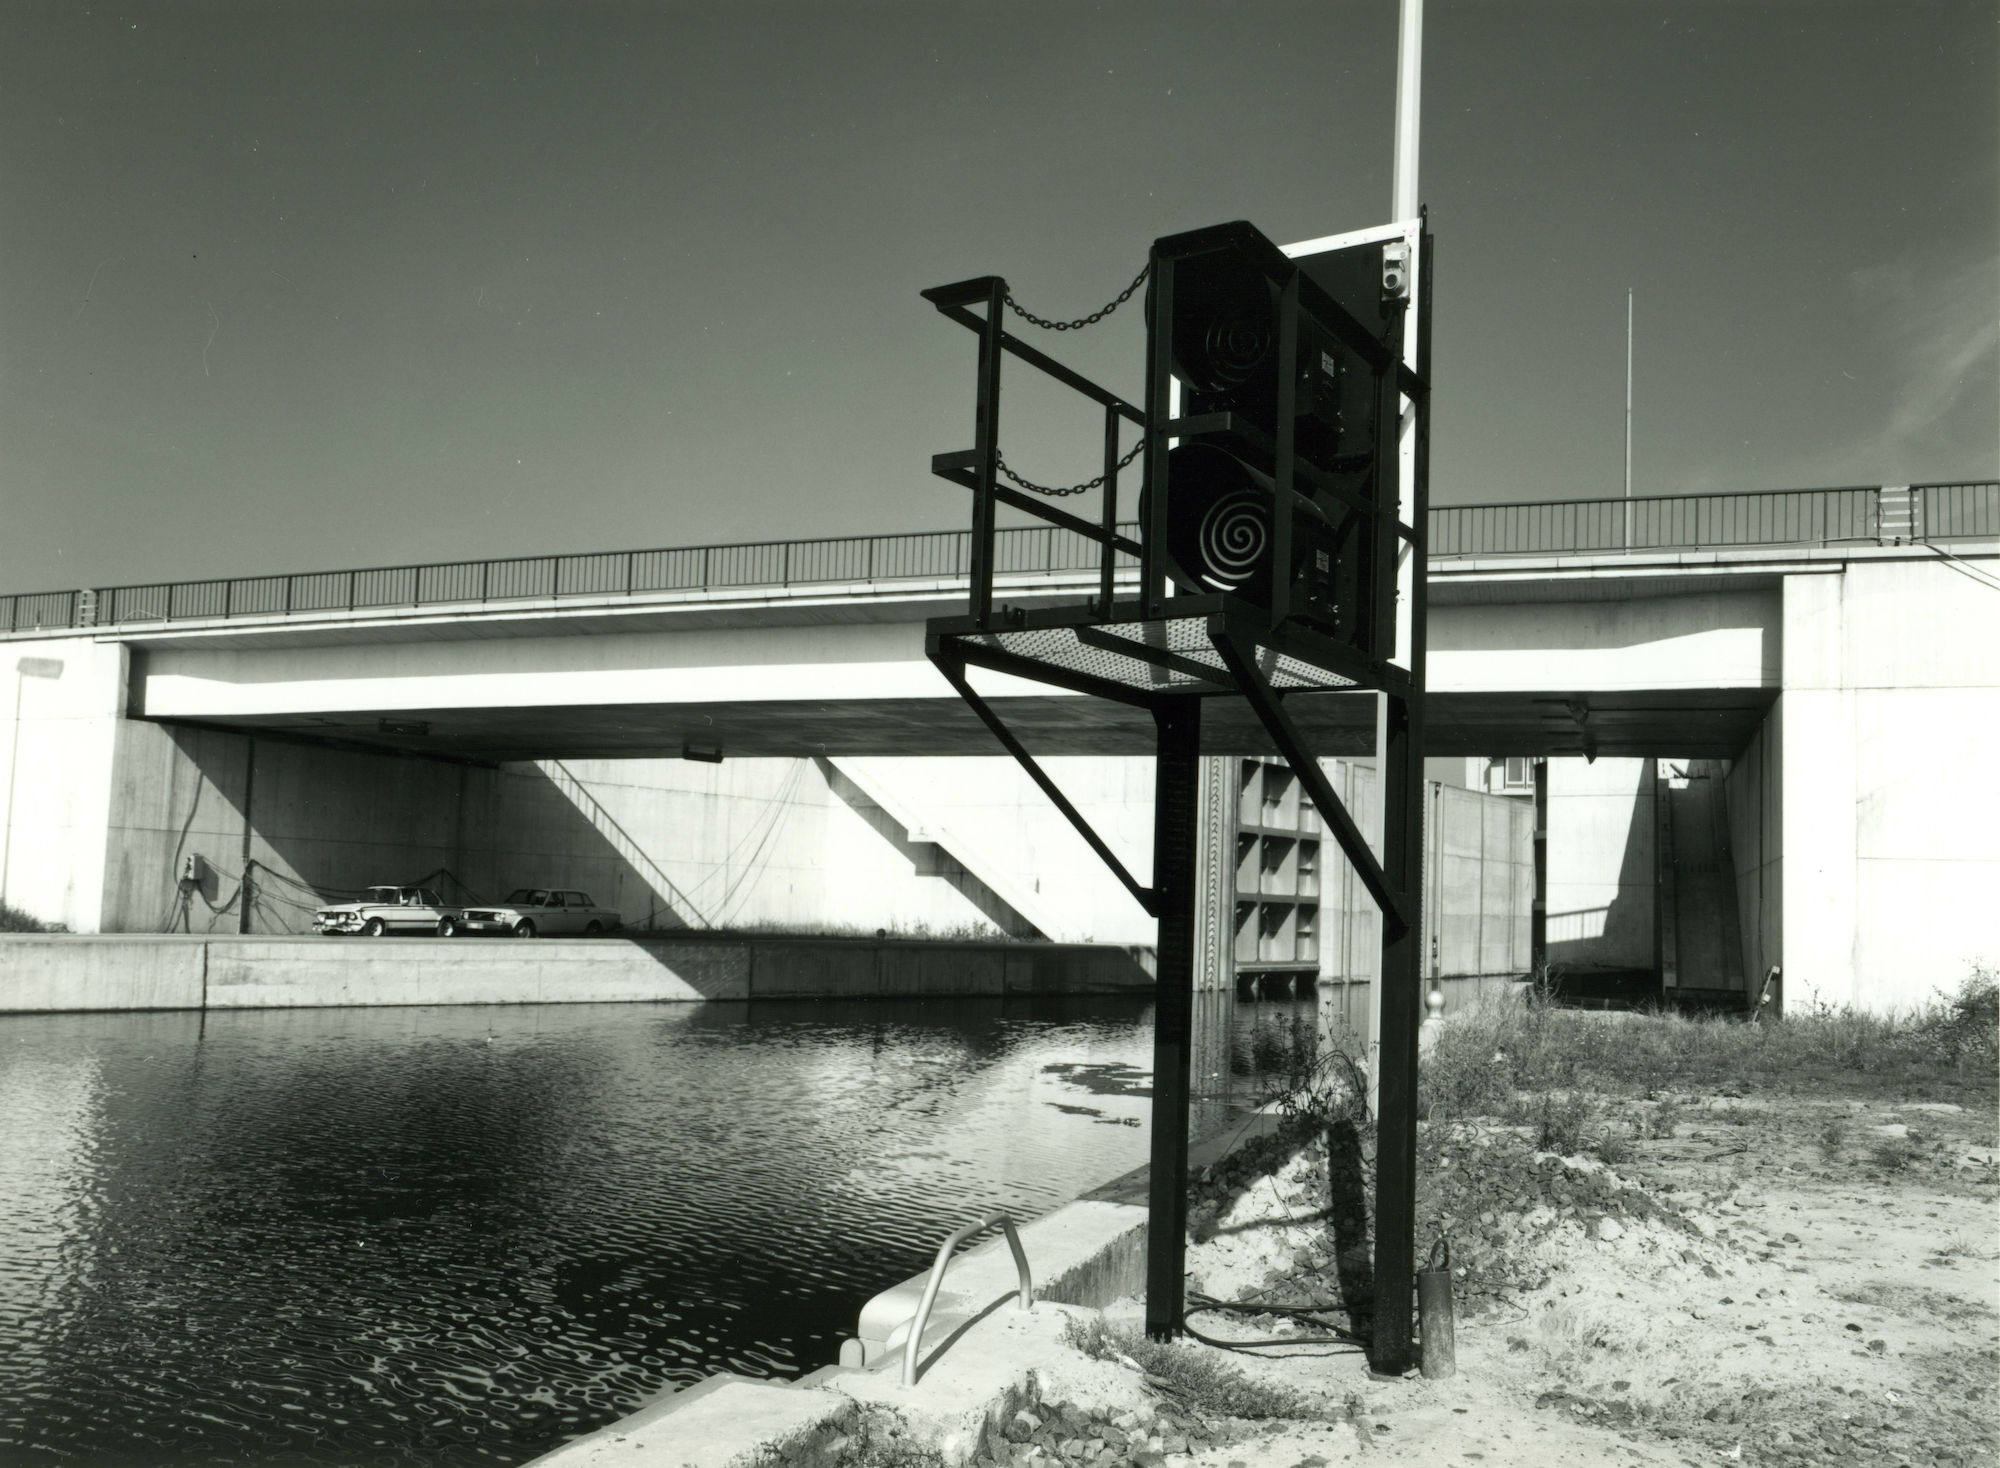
<point x="303" y="285"/>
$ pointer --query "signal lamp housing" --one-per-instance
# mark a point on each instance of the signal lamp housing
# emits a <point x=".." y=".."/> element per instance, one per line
<point x="1226" y="342"/>
<point x="1219" y="538"/>
<point x="1282" y="487"/>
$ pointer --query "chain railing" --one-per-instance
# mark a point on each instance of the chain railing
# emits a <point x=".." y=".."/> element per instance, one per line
<point x="1555" y="527"/>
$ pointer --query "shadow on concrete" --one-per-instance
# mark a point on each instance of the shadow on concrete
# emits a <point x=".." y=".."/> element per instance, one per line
<point x="927" y="858"/>
<point x="1581" y="942"/>
<point x="324" y="822"/>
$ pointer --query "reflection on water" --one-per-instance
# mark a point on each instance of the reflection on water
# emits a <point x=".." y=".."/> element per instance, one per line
<point x="440" y="1236"/>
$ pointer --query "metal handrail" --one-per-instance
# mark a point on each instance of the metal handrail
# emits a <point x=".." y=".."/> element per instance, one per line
<point x="1942" y="511"/>
<point x="922" y="1318"/>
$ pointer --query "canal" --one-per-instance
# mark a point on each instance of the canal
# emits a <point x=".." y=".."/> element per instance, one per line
<point x="458" y="1236"/>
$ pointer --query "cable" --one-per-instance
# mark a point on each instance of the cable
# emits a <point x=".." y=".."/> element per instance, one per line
<point x="1965" y="567"/>
<point x="1200" y="1304"/>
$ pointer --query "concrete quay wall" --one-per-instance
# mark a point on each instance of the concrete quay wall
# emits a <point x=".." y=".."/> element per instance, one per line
<point x="48" y="973"/>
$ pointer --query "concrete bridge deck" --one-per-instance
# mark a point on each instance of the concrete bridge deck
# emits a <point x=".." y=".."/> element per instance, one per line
<point x="1625" y="655"/>
<point x="1855" y="688"/>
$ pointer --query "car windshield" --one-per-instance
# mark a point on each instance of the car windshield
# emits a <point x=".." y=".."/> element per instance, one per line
<point x="527" y="896"/>
<point x="382" y="894"/>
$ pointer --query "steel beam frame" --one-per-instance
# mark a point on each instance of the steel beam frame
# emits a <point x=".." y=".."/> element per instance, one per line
<point x="1239" y="633"/>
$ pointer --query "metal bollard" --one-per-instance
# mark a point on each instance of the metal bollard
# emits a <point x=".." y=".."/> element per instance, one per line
<point x="1434" y="1315"/>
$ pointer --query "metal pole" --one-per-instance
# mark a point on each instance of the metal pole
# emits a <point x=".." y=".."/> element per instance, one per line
<point x="986" y="443"/>
<point x="1159" y="398"/>
<point x="1409" y="107"/>
<point x="1401" y="1014"/>
<point x="1400" y="1006"/>
<point x="1628" y="419"/>
<point x="1538" y="916"/>
<point x="1175" y="833"/>
<point x="1107" y="553"/>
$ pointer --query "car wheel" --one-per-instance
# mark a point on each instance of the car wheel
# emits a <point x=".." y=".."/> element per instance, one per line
<point x="447" y="928"/>
<point x="594" y="930"/>
<point x="374" y="928"/>
<point x="524" y="929"/>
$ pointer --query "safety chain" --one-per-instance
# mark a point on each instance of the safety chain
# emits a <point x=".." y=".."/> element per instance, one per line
<point x="1091" y="320"/>
<point x="1051" y="490"/>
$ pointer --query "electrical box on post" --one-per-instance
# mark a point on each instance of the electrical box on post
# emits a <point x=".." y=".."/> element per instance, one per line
<point x="190" y="870"/>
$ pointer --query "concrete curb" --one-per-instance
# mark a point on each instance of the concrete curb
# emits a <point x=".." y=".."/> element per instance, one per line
<point x="1084" y="1255"/>
<point x="86" y="973"/>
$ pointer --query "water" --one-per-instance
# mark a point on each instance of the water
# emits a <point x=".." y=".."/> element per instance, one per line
<point x="445" y="1236"/>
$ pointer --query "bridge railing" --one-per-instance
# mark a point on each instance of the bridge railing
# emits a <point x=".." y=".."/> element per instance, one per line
<point x="1669" y="522"/>
<point x="1665" y="522"/>
<point x="1956" y="511"/>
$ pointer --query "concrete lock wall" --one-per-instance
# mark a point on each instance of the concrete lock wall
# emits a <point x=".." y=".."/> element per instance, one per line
<point x="304" y="819"/>
<point x="1601" y="863"/>
<point x="945" y="847"/>
<point x="1480" y="861"/>
<point x="921" y="845"/>
<point x="62" y="700"/>
<point x="1889" y="815"/>
<point x="1755" y="797"/>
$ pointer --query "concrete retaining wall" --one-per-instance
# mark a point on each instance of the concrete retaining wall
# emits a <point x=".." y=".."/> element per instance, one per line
<point x="90" y="973"/>
<point x="1602" y="857"/>
<point x="176" y="971"/>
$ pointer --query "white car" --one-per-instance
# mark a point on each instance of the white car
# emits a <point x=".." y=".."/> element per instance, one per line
<point x="385" y="910"/>
<point x="532" y="912"/>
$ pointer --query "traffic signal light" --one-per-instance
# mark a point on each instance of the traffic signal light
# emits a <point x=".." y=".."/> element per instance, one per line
<point x="1282" y="405"/>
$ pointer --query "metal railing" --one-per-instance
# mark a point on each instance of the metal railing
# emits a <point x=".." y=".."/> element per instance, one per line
<point x="913" y="1346"/>
<point x="922" y="555"/>
<point x="1553" y="527"/>
<point x="1956" y="511"/>
<point x="1709" y="521"/>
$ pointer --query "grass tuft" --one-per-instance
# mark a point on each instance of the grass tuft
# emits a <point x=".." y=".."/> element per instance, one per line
<point x="1193" y="1376"/>
<point x="871" y="1437"/>
<point x="13" y="920"/>
<point x="1487" y="1056"/>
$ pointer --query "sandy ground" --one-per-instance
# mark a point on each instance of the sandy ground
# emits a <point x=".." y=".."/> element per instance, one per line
<point x="1806" y="1282"/>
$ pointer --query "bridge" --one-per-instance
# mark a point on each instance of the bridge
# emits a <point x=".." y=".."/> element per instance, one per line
<point x="1814" y="638"/>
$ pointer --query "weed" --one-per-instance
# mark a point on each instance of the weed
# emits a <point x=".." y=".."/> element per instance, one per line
<point x="1892" y="1154"/>
<point x="1195" y="1377"/>
<point x="873" y="1437"/>
<point x="1558" y="1119"/>
<point x="13" y="920"/>
<point x="1832" y="1134"/>
<point x="1961" y="1247"/>
<point x="900" y="932"/>
<point x="1314" y="1091"/>
<point x="1486" y="1055"/>
<point x="1659" y="1123"/>
<point x="1613" y="1146"/>
<point x="1964" y="1028"/>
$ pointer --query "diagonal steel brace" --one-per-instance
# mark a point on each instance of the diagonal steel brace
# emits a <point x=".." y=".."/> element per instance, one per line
<point x="1285" y="734"/>
<point x="954" y="670"/>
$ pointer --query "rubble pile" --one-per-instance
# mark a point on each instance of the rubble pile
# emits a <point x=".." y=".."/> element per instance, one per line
<point x="1147" y="1436"/>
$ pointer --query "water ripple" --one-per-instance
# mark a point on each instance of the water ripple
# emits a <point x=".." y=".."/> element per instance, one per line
<point x="452" y="1236"/>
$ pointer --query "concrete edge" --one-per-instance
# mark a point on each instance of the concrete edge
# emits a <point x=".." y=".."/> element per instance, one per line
<point x="1088" y="1252"/>
<point x="1085" y="1255"/>
<point x="118" y="972"/>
